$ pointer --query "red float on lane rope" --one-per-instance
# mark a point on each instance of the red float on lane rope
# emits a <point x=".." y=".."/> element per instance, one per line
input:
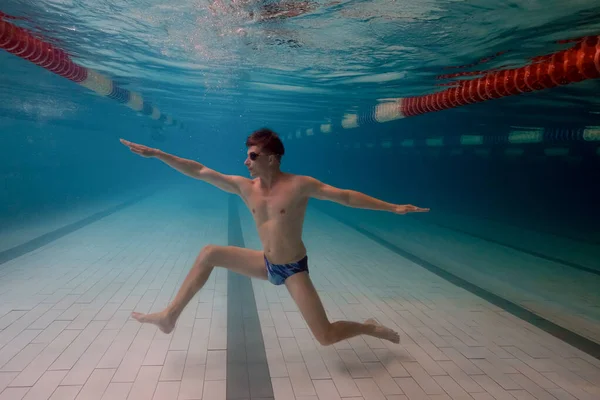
<point x="562" y="68"/>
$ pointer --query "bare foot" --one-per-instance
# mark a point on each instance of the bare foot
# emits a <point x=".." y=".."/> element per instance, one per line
<point x="160" y="319"/>
<point x="383" y="332"/>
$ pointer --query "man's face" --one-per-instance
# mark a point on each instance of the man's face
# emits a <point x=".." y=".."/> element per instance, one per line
<point x="256" y="161"/>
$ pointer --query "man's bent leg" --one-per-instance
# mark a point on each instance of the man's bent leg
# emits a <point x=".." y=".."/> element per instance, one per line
<point x="306" y="297"/>
<point x="244" y="261"/>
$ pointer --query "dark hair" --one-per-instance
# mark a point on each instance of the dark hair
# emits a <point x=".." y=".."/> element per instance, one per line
<point x="267" y="140"/>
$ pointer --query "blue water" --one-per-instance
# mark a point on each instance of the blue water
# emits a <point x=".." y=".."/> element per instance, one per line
<point x="224" y="74"/>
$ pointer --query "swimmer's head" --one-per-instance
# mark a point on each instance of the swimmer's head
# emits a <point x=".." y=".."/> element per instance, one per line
<point x="265" y="150"/>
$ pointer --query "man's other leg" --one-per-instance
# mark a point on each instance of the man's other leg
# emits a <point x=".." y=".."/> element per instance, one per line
<point x="306" y="297"/>
<point x="244" y="261"/>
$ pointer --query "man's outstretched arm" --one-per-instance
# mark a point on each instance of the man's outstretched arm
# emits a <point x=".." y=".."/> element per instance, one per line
<point x="352" y="198"/>
<point x="191" y="168"/>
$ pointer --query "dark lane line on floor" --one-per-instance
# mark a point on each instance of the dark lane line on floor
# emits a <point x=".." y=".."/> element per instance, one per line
<point x="56" y="234"/>
<point x="582" y="343"/>
<point x="248" y="374"/>
<point x="521" y="249"/>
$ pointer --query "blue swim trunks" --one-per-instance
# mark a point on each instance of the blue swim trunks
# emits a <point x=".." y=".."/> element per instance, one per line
<point x="278" y="273"/>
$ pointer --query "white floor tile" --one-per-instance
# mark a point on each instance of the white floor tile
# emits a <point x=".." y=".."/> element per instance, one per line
<point x="68" y="332"/>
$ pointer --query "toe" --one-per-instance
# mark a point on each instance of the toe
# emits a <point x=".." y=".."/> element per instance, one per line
<point x="138" y="316"/>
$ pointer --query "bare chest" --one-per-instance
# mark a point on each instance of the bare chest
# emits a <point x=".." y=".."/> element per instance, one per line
<point x="279" y="204"/>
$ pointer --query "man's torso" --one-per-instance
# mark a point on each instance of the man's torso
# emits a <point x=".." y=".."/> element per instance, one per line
<point x="279" y="216"/>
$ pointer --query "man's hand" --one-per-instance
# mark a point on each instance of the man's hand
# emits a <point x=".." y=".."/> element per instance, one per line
<point x="142" y="150"/>
<point x="408" y="208"/>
